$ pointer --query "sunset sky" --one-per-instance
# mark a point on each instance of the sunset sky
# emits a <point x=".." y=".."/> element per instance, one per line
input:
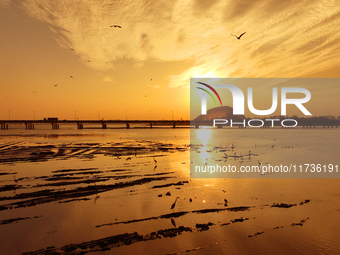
<point x="143" y="69"/>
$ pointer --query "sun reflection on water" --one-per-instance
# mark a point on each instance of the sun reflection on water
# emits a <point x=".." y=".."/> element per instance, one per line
<point x="203" y="136"/>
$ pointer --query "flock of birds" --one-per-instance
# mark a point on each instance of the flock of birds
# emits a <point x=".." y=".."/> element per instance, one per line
<point x="114" y="26"/>
<point x="238" y="37"/>
<point x="118" y="26"/>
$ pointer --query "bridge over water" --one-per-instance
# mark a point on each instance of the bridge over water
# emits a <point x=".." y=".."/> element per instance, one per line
<point x="104" y="123"/>
<point x="29" y="124"/>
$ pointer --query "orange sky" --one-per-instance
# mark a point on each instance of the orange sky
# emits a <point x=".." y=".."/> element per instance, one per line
<point x="166" y="41"/>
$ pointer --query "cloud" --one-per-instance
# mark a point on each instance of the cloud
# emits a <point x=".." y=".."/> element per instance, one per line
<point x="283" y="39"/>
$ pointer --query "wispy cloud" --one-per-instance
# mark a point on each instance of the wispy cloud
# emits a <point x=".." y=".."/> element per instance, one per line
<point x="283" y="39"/>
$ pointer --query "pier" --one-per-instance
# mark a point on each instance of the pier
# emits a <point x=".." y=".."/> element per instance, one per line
<point x="81" y="124"/>
<point x="105" y="124"/>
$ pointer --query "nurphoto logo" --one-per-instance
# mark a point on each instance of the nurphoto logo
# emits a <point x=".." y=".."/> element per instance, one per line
<point x="205" y="90"/>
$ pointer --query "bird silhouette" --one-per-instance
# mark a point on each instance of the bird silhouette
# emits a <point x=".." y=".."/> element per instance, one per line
<point x="239" y="37"/>
<point x="72" y="49"/>
<point x="155" y="161"/>
<point x="96" y="198"/>
<point x="174" y="204"/>
<point x="55" y="85"/>
<point x="260" y="165"/>
<point x="116" y="26"/>
<point x="16" y="181"/>
<point x="71" y="76"/>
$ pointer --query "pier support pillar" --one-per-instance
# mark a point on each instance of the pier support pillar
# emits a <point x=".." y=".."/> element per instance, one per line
<point x="4" y="125"/>
<point x="55" y="125"/>
<point x="80" y="125"/>
<point x="174" y="125"/>
<point x="150" y="124"/>
<point x="29" y="125"/>
<point x="104" y="125"/>
<point x="127" y="125"/>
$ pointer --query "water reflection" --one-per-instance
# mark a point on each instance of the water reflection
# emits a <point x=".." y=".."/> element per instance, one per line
<point x="203" y="135"/>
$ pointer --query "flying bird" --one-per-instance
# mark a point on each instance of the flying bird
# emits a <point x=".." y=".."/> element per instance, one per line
<point x="239" y="37"/>
<point x="72" y="49"/>
<point x="56" y="85"/>
<point x="71" y="76"/>
<point x="116" y="26"/>
<point x="155" y="161"/>
<point x="34" y="92"/>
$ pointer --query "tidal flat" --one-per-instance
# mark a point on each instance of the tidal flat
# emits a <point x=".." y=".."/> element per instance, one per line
<point x="125" y="194"/>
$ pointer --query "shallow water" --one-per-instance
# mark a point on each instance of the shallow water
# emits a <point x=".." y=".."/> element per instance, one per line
<point x="83" y="186"/>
